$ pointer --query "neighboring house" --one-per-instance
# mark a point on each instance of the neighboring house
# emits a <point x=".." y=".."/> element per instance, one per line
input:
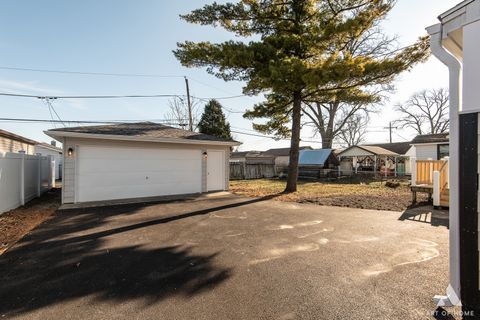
<point x="136" y="160"/>
<point x="454" y="41"/>
<point x="400" y="148"/>
<point x="317" y="163"/>
<point x="251" y="157"/>
<point x="431" y="146"/>
<point x="282" y="157"/>
<point x="374" y="159"/>
<point x="10" y="142"/>
<point x="46" y="149"/>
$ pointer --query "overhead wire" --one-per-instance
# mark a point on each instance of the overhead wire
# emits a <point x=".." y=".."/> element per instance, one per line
<point x="29" y="120"/>
<point x="92" y="73"/>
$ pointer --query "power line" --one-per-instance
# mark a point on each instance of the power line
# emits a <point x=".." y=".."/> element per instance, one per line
<point x="18" y="95"/>
<point x="49" y="103"/>
<point x="87" y="96"/>
<point x="92" y="73"/>
<point x="29" y="120"/>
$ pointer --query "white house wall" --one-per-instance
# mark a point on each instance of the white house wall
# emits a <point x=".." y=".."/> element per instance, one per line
<point x="471" y="67"/>
<point x="70" y="167"/>
<point x="426" y="152"/>
<point x="11" y="145"/>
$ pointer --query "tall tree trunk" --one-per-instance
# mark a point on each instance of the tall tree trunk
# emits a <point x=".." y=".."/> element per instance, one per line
<point x="294" y="143"/>
<point x="327" y="139"/>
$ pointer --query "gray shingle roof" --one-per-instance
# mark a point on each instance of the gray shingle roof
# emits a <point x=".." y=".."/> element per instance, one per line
<point x="49" y="146"/>
<point x="397" y="147"/>
<point x="142" y="129"/>
<point x="431" y="138"/>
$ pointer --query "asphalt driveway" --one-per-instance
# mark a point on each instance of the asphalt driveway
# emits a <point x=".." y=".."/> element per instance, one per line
<point x="225" y="257"/>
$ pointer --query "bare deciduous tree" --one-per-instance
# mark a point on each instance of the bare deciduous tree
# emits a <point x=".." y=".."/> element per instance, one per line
<point x="178" y="113"/>
<point x="354" y="131"/>
<point x="426" y="112"/>
<point x="331" y="113"/>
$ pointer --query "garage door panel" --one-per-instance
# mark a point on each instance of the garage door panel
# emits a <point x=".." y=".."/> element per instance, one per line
<point x="122" y="153"/>
<point x="116" y="172"/>
<point x="137" y="178"/>
<point x="99" y="165"/>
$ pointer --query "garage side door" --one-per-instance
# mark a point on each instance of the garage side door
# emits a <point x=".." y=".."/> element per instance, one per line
<point x="107" y="173"/>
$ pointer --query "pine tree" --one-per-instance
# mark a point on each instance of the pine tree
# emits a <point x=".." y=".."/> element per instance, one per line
<point x="213" y="121"/>
<point x="292" y="52"/>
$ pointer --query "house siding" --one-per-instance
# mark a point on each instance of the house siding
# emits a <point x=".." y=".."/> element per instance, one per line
<point x="282" y="161"/>
<point x="11" y="145"/>
<point x="425" y="152"/>
<point x="69" y="167"/>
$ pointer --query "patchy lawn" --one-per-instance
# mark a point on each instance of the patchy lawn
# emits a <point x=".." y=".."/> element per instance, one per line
<point x="344" y="193"/>
<point x="17" y="223"/>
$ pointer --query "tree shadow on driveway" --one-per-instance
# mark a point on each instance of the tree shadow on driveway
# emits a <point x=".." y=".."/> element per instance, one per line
<point x="62" y="261"/>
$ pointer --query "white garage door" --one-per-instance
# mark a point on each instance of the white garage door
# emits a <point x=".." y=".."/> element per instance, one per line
<point x="107" y="173"/>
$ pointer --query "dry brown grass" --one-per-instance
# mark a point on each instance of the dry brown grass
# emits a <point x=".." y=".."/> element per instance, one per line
<point x="355" y="194"/>
<point x="15" y="224"/>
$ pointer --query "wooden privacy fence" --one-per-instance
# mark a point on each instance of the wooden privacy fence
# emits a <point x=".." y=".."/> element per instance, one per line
<point x="240" y="171"/>
<point x="425" y="169"/>
<point x="24" y="177"/>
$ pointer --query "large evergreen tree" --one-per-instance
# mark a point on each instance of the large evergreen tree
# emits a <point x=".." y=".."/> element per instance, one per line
<point x="292" y="55"/>
<point x="213" y="121"/>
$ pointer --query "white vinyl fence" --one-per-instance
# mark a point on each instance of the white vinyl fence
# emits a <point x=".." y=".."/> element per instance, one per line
<point x="24" y="177"/>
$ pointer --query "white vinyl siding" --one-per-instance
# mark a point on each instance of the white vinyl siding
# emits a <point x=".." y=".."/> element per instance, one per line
<point x="425" y="152"/>
<point x="11" y="145"/>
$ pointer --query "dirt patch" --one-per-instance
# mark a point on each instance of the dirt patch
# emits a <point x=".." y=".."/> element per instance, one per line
<point x="15" y="224"/>
<point x="365" y="194"/>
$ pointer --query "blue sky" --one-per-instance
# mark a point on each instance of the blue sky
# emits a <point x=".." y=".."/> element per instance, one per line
<point x="126" y="36"/>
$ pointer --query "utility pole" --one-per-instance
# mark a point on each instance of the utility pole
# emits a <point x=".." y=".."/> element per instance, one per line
<point x="190" y="120"/>
<point x="390" y="128"/>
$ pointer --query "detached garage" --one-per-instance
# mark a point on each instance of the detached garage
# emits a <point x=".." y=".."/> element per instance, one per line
<point x="137" y="160"/>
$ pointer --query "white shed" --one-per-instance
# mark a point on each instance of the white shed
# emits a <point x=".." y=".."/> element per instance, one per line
<point x="431" y="146"/>
<point x="139" y="160"/>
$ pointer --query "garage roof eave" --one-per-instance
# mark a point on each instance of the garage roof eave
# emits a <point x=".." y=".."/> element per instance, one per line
<point x="62" y="134"/>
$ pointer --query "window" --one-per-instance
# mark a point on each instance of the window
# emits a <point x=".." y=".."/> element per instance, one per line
<point x="443" y="151"/>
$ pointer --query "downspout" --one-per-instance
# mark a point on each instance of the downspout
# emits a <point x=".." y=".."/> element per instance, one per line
<point x="455" y="86"/>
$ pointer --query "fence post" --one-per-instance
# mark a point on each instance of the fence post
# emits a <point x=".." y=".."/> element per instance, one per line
<point x="436" y="188"/>
<point x="386" y="168"/>
<point x="52" y="175"/>
<point x="448" y="172"/>
<point x="395" y="167"/>
<point x="39" y="175"/>
<point x="339" y="171"/>
<point x="22" y="179"/>
<point x="413" y="169"/>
